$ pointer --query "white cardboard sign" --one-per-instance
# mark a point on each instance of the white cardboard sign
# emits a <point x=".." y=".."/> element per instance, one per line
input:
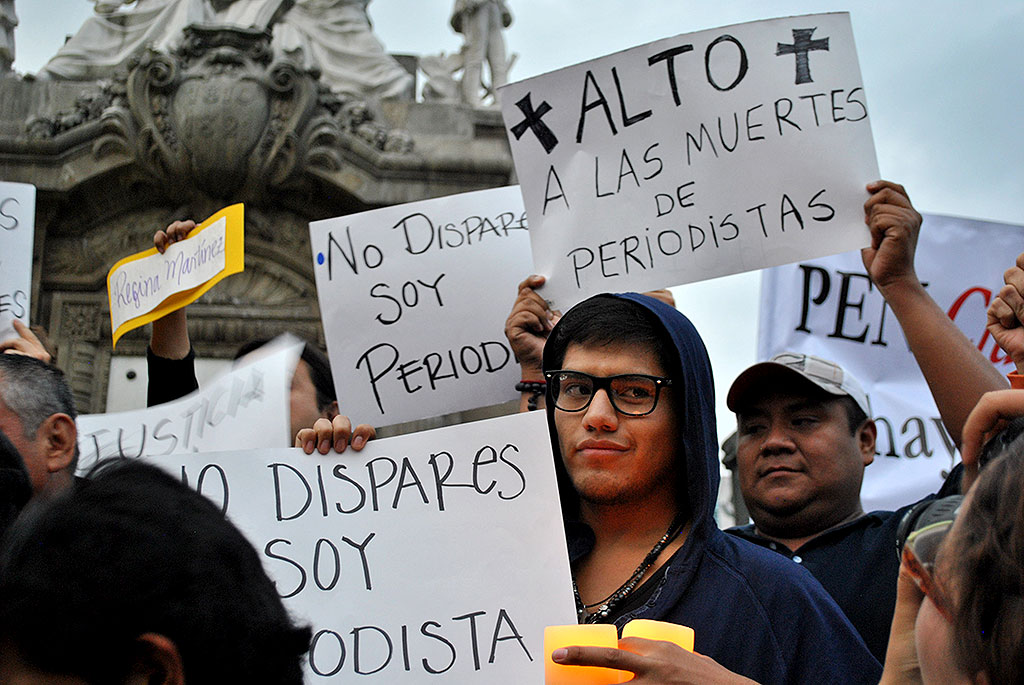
<point x="246" y="408"/>
<point x="413" y="300"/>
<point x="434" y="557"/>
<point x="829" y="308"/>
<point x="17" y="225"/>
<point x="692" y="157"/>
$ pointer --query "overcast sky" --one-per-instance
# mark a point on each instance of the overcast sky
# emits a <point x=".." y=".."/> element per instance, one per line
<point x="943" y="79"/>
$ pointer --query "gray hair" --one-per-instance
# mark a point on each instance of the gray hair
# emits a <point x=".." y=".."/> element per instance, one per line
<point x="34" y="391"/>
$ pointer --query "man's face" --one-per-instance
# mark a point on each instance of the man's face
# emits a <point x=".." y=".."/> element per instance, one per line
<point x="613" y="458"/>
<point x="798" y="463"/>
<point x="304" y="410"/>
<point x="32" y="450"/>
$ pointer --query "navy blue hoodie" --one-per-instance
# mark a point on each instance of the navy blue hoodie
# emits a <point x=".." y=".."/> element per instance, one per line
<point x="753" y="611"/>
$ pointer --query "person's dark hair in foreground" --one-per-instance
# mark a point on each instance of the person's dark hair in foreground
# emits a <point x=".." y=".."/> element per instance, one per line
<point x="15" y="487"/>
<point x="133" y="572"/>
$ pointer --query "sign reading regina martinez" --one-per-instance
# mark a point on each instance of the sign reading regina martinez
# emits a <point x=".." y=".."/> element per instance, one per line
<point x="693" y="157"/>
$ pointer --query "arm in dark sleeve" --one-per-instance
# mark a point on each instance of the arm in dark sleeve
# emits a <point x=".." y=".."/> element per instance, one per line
<point x="170" y="379"/>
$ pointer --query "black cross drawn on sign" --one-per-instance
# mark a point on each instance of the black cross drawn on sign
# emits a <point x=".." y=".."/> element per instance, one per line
<point x="533" y="122"/>
<point x="802" y="44"/>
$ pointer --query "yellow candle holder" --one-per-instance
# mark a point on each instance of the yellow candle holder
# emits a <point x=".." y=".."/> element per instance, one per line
<point x="593" y="635"/>
<point x="660" y="630"/>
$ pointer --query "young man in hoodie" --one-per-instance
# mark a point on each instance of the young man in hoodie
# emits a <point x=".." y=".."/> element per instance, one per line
<point x="630" y="404"/>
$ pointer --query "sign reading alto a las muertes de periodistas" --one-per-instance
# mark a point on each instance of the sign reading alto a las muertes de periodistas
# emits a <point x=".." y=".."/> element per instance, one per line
<point x="246" y="408"/>
<point x="693" y="157"/>
<point x="433" y="557"/>
<point x="146" y="286"/>
<point x="17" y="223"/>
<point x="413" y="300"/>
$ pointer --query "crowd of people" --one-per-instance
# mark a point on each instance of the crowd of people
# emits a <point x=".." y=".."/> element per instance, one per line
<point x="812" y="590"/>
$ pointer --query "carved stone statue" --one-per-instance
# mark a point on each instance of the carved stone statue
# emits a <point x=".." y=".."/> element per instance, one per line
<point x="8" y="20"/>
<point x="333" y="37"/>
<point x="336" y="36"/>
<point x="481" y="23"/>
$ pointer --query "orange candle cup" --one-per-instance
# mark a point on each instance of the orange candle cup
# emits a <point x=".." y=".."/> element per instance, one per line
<point x="594" y="635"/>
<point x="660" y="630"/>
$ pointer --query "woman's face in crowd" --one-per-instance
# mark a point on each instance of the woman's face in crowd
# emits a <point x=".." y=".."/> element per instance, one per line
<point x="934" y="633"/>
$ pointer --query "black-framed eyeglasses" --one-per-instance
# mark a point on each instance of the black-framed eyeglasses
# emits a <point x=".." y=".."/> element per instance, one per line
<point x="632" y="394"/>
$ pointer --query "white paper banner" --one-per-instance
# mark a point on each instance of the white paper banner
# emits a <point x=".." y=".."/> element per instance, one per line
<point x="693" y="157"/>
<point x="139" y="286"/>
<point x="17" y="225"/>
<point x="244" y="409"/>
<point x="434" y="557"/>
<point x="413" y="300"/>
<point x="829" y="308"/>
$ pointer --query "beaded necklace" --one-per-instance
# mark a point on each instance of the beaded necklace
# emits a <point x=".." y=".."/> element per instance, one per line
<point x="605" y="606"/>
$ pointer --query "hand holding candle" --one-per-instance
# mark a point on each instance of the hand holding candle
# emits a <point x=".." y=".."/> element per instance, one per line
<point x="650" y="652"/>
<point x="593" y="635"/>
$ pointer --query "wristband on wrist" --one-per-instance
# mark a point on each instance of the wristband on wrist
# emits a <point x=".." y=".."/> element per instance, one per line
<point x="535" y="388"/>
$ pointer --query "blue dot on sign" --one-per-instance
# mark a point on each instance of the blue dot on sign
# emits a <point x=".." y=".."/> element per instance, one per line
<point x="320" y="258"/>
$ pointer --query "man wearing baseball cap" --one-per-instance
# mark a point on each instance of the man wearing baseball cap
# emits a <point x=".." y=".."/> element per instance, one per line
<point x="805" y="433"/>
<point x="804" y="438"/>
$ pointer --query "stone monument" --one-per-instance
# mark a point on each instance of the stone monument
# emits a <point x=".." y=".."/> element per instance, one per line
<point x="221" y="111"/>
<point x="8" y="20"/>
<point x="481" y="23"/>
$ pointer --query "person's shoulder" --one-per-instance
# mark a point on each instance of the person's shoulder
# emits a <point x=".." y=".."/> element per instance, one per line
<point x="764" y="571"/>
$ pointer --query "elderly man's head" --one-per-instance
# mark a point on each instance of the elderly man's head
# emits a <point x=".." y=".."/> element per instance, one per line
<point x="37" y="413"/>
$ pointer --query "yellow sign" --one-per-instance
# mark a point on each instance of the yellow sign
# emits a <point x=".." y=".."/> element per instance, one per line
<point x="146" y="286"/>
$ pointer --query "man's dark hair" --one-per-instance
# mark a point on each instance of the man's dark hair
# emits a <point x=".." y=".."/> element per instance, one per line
<point x="608" y="320"/>
<point x="34" y="391"/>
<point x="131" y="551"/>
<point x="319" y="369"/>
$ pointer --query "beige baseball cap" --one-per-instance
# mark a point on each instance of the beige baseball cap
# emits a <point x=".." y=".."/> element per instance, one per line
<point x="825" y="374"/>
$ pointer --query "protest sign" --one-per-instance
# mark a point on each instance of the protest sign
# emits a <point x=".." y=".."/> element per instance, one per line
<point x="246" y="408"/>
<point x="148" y="285"/>
<point x="17" y="225"/>
<point x="692" y="157"/>
<point x="830" y="308"/>
<point x="413" y="300"/>
<point x="434" y="557"/>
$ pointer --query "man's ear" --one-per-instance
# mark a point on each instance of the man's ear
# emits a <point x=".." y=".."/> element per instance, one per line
<point x="866" y="436"/>
<point x="330" y="411"/>
<point x="61" y="435"/>
<point x="157" y="662"/>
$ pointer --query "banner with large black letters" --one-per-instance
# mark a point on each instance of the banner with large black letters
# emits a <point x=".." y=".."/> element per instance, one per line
<point x="828" y="307"/>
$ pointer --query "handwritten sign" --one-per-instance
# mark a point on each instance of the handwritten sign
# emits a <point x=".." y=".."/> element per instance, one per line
<point x="149" y="285"/>
<point x="17" y="225"/>
<point x="434" y="557"/>
<point x="244" y="409"/>
<point x="414" y="299"/>
<point x="693" y="157"/>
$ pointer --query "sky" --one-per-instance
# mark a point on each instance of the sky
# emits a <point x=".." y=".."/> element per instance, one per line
<point x="944" y="82"/>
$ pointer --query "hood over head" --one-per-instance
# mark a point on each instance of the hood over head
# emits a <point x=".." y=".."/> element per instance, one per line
<point x="693" y="389"/>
